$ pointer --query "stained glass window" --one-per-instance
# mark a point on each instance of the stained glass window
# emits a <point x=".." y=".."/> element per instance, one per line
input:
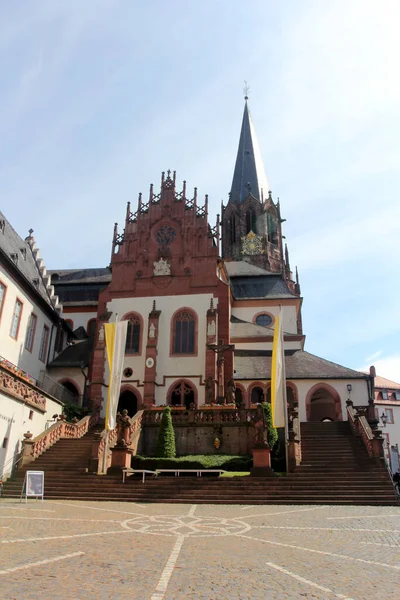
<point x="133" y="336"/>
<point x="184" y="333"/>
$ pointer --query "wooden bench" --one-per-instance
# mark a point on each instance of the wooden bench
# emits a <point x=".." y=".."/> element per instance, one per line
<point x="197" y="471"/>
<point x="128" y="472"/>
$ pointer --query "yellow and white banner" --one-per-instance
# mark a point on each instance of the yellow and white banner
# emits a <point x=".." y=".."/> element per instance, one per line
<point x="278" y="376"/>
<point x="115" y="336"/>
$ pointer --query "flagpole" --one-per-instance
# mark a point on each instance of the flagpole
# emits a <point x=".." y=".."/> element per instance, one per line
<point x="106" y="437"/>
<point x="284" y="393"/>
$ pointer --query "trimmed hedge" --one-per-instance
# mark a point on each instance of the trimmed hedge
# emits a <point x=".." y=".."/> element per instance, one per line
<point x="166" y="436"/>
<point x="272" y="433"/>
<point x="200" y="461"/>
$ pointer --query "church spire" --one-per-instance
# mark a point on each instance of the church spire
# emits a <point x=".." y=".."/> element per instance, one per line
<point x="249" y="175"/>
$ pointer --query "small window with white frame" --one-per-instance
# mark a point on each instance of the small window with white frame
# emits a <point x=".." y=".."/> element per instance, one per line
<point x="389" y="414"/>
<point x="16" y="319"/>
<point x="385" y="395"/>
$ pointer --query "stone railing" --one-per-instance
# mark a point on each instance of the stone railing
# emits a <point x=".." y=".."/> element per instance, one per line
<point x="216" y="414"/>
<point x="371" y="438"/>
<point x="14" y="384"/>
<point x="104" y="443"/>
<point x="33" y="448"/>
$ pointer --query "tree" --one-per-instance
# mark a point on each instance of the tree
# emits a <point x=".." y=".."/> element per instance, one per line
<point x="272" y="433"/>
<point x="166" y="436"/>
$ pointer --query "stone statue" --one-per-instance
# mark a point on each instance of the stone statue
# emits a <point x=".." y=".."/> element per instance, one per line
<point x="211" y="329"/>
<point x="101" y="334"/>
<point x="161" y="267"/>
<point x="260" y="426"/>
<point x="230" y="392"/>
<point x="209" y="388"/>
<point x="152" y="331"/>
<point x="124" y="424"/>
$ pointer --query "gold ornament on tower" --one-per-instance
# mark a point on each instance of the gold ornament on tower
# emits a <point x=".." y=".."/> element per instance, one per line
<point x="252" y="244"/>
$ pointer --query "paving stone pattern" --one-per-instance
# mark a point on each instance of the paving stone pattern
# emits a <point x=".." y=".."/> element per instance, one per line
<point x="111" y="550"/>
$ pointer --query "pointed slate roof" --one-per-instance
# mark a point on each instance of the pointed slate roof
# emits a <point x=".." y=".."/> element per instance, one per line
<point x="249" y="175"/>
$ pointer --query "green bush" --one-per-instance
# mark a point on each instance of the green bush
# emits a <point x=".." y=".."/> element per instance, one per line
<point x="200" y="461"/>
<point x="272" y="433"/>
<point x="71" y="411"/>
<point x="166" y="436"/>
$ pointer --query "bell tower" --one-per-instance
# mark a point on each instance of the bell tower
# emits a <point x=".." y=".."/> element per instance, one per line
<point x="251" y="221"/>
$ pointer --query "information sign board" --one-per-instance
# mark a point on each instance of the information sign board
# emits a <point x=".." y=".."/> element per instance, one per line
<point x="33" y="485"/>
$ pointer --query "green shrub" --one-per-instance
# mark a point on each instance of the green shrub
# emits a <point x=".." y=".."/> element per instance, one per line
<point x="71" y="411"/>
<point x="166" y="436"/>
<point x="200" y="461"/>
<point x="272" y="433"/>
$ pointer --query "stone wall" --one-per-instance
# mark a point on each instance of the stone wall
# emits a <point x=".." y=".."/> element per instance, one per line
<point x="199" y="439"/>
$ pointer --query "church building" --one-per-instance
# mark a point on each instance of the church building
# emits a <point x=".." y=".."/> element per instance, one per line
<point x="201" y="299"/>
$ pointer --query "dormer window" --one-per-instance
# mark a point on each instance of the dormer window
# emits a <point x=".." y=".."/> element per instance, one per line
<point x="23" y="252"/>
<point x="2" y="225"/>
<point x="36" y="283"/>
<point x="14" y="257"/>
<point x="385" y="395"/>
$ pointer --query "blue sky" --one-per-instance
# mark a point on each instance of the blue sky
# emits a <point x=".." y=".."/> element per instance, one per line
<point x="98" y="97"/>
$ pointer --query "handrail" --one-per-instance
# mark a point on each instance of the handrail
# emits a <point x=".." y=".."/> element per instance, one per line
<point x="11" y="461"/>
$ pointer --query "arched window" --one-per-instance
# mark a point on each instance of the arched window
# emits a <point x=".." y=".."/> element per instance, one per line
<point x="132" y="345"/>
<point x="264" y="320"/>
<point x="251" y="221"/>
<point x="184" y="333"/>
<point x="182" y="394"/>
<point x="91" y="327"/>
<point x="257" y="395"/>
<point x="232" y="224"/>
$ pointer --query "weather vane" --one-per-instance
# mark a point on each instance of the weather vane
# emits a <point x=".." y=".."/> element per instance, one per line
<point x="246" y="91"/>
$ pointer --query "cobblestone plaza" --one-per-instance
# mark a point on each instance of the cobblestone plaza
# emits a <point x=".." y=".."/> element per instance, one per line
<point x="115" y="551"/>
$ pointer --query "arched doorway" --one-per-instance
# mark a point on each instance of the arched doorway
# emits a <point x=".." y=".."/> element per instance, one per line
<point x="128" y="400"/>
<point x="182" y="394"/>
<point x="73" y="392"/>
<point x="257" y="395"/>
<point x="323" y="404"/>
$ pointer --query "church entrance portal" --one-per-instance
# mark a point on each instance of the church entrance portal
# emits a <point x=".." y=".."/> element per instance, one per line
<point x="128" y="401"/>
<point x="182" y="395"/>
<point x="322" y="406"/>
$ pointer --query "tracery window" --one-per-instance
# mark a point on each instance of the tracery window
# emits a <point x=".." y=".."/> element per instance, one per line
<point x="232" y="223"/>
<point x="251" y="221"/>
<point x="132" y="345"/>
<point x="184" y="333"/>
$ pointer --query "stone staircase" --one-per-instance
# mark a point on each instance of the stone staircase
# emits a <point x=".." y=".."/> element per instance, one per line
<point x="336" y="469"/>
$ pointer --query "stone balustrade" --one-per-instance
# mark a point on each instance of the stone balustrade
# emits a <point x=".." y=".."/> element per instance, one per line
<point x="14" y="384"/>
<point x="33" y="448"/>
<point x="371" y="437"/>
<point x="204" y="415"/>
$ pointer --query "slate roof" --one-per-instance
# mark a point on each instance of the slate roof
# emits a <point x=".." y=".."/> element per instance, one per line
<point x="19" y="252"/>
<point x="249" y="174"/>
<point x="237" y="268"/>
<point x="76" y="355"/>
<point x="268" y="286"/>
<point x="100" y="275"/>
<point x="253" y="364"/>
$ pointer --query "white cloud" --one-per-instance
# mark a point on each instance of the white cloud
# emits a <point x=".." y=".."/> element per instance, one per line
<point x="374" y="356"/>
<point x="388" y="367"/>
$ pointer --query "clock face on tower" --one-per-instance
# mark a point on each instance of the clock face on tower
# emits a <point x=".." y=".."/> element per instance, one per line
<point x="252" y="244"/>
